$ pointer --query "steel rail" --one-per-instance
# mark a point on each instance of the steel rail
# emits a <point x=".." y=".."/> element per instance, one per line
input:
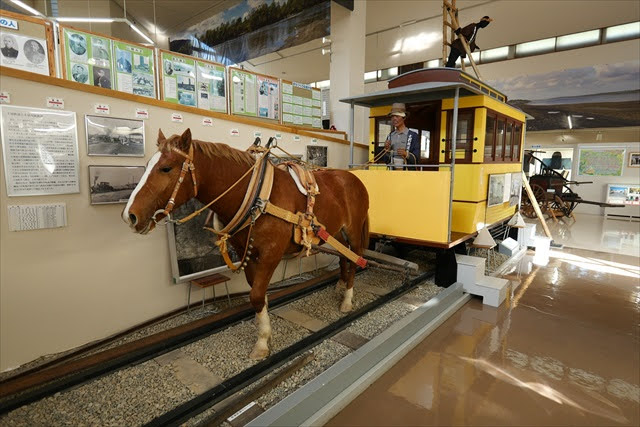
<point x="200" y="403"/>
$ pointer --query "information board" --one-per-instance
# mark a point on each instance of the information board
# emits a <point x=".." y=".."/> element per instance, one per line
<point x="26" y="43"/>
<point x="134" y="69"/>
<point x="40" y="151"/>
<point x="601" y="161"/>
<point x="87" y="58"/>
<point x="244" y="96"/>
<point x="193" y="82"/>
<point x="268" y="97"/>
<point x="301" y="105"/>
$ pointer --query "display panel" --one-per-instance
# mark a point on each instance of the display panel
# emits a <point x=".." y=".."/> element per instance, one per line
<point x="134" y="69"/>
<point x="87" y="58"/>
<point x="244" y="95"/>
<point x="268" y="98"/>
<point x="625" y="194"/>
<point x="40" y="151"/>
<point x="26" y="43"/>
<point x="301" y="105"/>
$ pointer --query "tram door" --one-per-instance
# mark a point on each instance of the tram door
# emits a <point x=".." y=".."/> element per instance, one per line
<point x="383" y="129"/>
<point x="424" y="119"/>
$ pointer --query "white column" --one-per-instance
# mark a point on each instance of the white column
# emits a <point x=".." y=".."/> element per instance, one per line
<point x="347" y="66"/>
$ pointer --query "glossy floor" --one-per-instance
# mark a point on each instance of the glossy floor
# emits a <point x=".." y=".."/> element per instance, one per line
<point x="562" y="350"/>
<point x="596" y="232"/>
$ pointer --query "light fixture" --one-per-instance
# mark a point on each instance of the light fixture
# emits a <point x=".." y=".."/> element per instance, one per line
<point x="326" y="51"/>
<point x="484" y="239"/>
<point x="569" y="120"/>
<point x="81" y="19"/>
<point x="516" y="221"/>
<point x="553" y="112"/>
<point x="26" y="7"/>
<point x="143" y="35"/>
<point x="599" y="136"/>
<point x="326" y="40"/>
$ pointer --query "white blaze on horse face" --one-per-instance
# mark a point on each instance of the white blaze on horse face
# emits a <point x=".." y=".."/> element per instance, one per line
<point x="152" y="162"/>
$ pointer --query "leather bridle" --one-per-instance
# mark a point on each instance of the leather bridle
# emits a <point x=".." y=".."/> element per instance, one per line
<point x="187" y="165"/>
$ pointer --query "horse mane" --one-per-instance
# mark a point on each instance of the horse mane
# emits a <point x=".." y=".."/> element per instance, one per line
<point x="212" y="150"/>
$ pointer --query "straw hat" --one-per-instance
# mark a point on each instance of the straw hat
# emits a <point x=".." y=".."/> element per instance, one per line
<point x="398" y="109"/>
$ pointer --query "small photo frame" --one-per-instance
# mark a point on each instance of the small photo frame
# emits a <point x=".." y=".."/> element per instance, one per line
<point x="113" y="184"/>
<point x="317" y="155"/>
<point x="111" y="136"/>
<point x="634" y="160"/>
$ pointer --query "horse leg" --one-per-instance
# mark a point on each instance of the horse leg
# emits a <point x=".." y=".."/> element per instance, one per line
<point x="259" y="275"/>
<point x="347" y="305"/>
<point x="355" y="239"/>
<point x="261" y="348"/>
<point x="344" y="274"/>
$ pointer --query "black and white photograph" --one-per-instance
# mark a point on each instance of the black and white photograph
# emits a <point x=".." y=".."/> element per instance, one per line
<point x="110" y="136"/>
<point x="168" y="67"/>
<point x="9" y="46"/>
<point x="78" y="44"/>
<point x="184" y="69"/>
<point x="192" y="249"/>
<point x="100" y="51"/>
<point x="186" y="98"/>
<point x="516" y="188"/>
<point x="142" y="79"/>
<point x="634" y="160"/>
<point x="283" y="159"/>
<point x="113" y="184"/>
<point x="80" y="73"/>
<point x="34" y="51"/>
<point x="102" y="77"/>
<point x="317" y="155"/>
<point x="496" y="190"/>
<point x="186" y="83"/>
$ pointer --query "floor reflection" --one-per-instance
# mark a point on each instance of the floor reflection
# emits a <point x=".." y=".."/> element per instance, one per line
<point x="562" y="351"/>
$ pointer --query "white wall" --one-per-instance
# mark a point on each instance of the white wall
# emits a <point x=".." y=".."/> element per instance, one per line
<point x="62" y="288"/>
<point x="629" y="139"/>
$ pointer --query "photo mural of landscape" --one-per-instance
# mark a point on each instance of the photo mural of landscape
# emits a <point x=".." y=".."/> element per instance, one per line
<point x="253" y="28"/>
<point x="606" y="95"/>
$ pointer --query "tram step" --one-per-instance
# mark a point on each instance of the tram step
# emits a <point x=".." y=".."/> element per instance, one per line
<point x="470" y="269"/>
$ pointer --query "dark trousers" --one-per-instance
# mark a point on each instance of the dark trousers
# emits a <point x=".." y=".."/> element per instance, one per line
<point x="453" y="57"/>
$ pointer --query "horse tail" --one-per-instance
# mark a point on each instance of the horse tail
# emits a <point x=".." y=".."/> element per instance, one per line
<point x="365" y="233"/>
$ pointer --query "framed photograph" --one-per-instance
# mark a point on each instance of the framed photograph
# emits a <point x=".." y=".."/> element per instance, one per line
<point x="496" y="190"/>
<point x="317" y="155"/>
<point x="634" y="160"/>
<point x="284" y="159"/>
<point x="113" y="184"/>
<point x="111" y="136"/>
<point x="192" y="249"/>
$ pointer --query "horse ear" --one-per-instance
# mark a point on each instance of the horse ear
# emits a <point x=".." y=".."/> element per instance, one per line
<point x="161" y="136"/>
<point x="185" y="140"/>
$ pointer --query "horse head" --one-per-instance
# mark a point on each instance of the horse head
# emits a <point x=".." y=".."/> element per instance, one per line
<point x="168" y="182"/>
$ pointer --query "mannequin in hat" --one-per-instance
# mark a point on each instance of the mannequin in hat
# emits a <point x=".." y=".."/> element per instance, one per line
<point x="403" y="144"/>
<point x="469" y="33"/>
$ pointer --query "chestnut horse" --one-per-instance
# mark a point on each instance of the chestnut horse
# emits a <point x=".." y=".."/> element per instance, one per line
<point x="342" y="207"/>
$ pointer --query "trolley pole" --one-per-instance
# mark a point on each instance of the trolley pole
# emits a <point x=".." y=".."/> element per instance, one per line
<point x="454" y="136"/>
<point x="351" y="125"/>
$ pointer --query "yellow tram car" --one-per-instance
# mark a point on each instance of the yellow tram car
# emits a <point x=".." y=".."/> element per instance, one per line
<point x="443" y="201"/>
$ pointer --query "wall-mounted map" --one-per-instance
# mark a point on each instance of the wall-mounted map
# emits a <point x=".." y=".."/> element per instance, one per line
<point x="601" y="161"/>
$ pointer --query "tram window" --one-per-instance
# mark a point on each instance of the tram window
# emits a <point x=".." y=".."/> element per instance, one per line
<point x="508" y="143"/>
<point x="383" y="129"/>
<point x="489" y="138"/>
<point x="517" y="137"/>
<point x="464" y="135"/>
<point x="502" y="124"/>
<point x="425" y="144"/>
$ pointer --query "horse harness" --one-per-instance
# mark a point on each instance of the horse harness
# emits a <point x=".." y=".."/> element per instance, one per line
<point x="307" y="229"/>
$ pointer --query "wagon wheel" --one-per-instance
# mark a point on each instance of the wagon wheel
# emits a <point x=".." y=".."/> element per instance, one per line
<point x="526" y="208"/>
<point x="560" y="206"/>
<point x="541" y="198"/>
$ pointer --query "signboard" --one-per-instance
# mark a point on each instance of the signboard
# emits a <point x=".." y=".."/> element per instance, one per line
<point x="301" y="105"/>
<point x="40" y="151"/>
<point x="268" y="97"/>
<point x="26" y="43"/>
<point x="212" y="86"/>
<point x="134" y="69"/>
<point x="87" y="58"/>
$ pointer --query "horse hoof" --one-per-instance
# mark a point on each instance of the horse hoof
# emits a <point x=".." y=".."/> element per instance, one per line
<point x="341" y="286"/>
<point x="346" y="307"/>
<point x="259" y="353"/>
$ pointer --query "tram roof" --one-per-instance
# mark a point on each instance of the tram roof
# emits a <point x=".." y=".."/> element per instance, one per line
<point x="417" y="92"/>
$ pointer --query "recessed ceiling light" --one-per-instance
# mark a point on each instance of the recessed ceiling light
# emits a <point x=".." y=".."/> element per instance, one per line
<point x="589" y="118"/>
<point x="553" y="112"/>
<point x="576" y="115"/>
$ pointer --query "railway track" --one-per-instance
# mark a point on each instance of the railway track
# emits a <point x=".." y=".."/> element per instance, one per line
<point x="18" y="396"/>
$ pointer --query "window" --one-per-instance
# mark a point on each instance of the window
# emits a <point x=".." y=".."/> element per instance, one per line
<point x="503" y="138"/>
<point x="574" y="41"/>
<point x="496" y="54"/>
<point x="536" y="47"/>
<point x="464" y="135"/>
<point x="622" y="32"/>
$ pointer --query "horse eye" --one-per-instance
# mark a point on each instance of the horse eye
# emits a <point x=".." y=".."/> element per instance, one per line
<point x="166" y="169"/>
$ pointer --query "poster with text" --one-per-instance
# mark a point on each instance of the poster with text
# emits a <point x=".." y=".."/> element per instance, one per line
<point x="134" y="69"/>
<point x="87" y="58"/>
<point x="24" y="53"/>
<point x="268" y="98"/>
<point x="212" y="86"/>
<point x="243" y="93"/>
<point x="178" y="79"/>
<point x="301" y="105"/>
<point x="40" y="151"/>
